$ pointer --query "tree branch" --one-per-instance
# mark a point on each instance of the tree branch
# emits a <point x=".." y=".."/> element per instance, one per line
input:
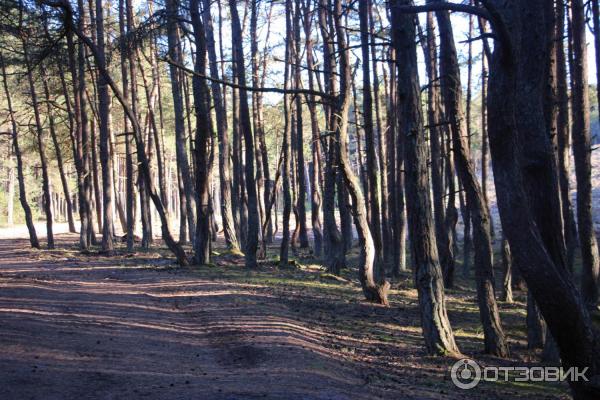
<point x="249" y="88"/>
<point x="489" y="12"/>
<point x="444" y="6"/>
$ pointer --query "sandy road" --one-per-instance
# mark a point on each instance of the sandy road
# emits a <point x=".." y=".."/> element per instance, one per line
<point x="92" y="330"/>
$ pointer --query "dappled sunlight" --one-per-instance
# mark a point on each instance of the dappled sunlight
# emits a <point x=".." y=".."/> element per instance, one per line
<point x="215" y="327"/>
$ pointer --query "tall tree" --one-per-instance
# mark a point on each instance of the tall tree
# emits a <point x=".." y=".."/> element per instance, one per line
<point x="443" y="227"/>
<point x="222" y="133"/>
<point x="564" y="137"/>
<point x="333" y="244"/>
<point x="596" y="31"/>
<point x="145" y="212"/>
<point x="57" y="148"/>
<point x="83" y="165"/>
<point x="437" y="332"/>
<point x="316" y="177"/>
<point x="129" y="190"/>
<point x="582" y="154"/>
<point x="41" y="144"/>
<point x="203" y="134"/>
<point x="33" y="239"/>
<point x="286" y="142"/>
<point x="246" y="127"/>
<point x="175" y="54"/>
<point x="374" y="285"/>
<point x="495" y="341"/>
<point x="256" y="110"/>
<point x="103" y="120"/>
<point x="370" y="145"/>
<point x="547" y="282"/>
<point x="299" y="137"/>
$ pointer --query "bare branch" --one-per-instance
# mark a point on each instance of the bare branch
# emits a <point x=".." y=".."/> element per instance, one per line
<point x="249" y="88"/>
<point x="444" y="6"/>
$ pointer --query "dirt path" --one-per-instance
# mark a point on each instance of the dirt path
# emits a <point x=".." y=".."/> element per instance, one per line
<point x="73" y="327"/>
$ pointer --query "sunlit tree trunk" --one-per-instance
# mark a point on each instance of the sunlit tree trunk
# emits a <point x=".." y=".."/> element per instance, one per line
<point x="222" y="133"/>
<point x="246" y="127"/>
<point x="180" y="146"/>
<point x="103" y="121"/>
<point x="33" y="239"/>
<point x="41" y="144"/>
<point x="286" y="143"/>
<point x="316" y="177"/>
<point x="437" y="332"/>
<point x="203" y="133"/>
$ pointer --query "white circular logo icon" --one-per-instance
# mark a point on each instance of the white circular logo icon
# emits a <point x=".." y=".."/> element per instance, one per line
<point x="465" y="374"/>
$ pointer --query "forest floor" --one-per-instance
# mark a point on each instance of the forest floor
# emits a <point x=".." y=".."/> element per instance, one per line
<point x="76" y="326"/>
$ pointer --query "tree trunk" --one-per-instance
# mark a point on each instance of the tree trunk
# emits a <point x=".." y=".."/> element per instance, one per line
<point x="223" y="137"/>
<point x="246" y="127"/>
<point x="333" y="245"/>
<point x="143" y="162"/>
<point x="300" y="163"/>
<point x="374" y="222"/>
<point x="546" y="281"/>
<point x="436" y="137"/>
<point x="507" y="295"/>
<point x="58" y="152"/>
<point x="437" y="331"/>
<point x="563" y="138"/>
<point x="373" y="283"/>
<point x="397" y="175"/>
<point x="33" y="239"/>
<point x="596" y="31"/>
<point x="286" y="143"/>
<point x="103" y="121"/>
<point x="129" y="192"/>
<point x="41" y="139"/>
<point x="176" y="86"/>
<point x="386" y="229"/>
<point x="203" y="133"/>
<point x="316" y="177"/>
<point x="582" y="154"/>
<point x="256" y="121"/>
<point x="86" y="232"/>
<point x="495" y="341"/>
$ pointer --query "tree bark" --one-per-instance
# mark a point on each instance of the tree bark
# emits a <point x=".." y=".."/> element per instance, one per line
<point x="58" y="152"/>
<point x="33" y="239"/>
<point x="222" y="134"/>
<point x="596" y="31"/>
<point x="129" y="192"/>
<point x="143" y="162"/>
<point x="373" y="283"/>
<point x="203" y="133"/>
<point x="103" y="121"/>
<point x="507" y="294"/>
<point x="547" y="282"/>
<point x="41" y="139"/>
<point x="300" y="163"/>
<point x="176" y="86"/>
<point x="286" y="143"/>
<point x="316" y="177"/>
<point x="367" y="103"/>
<point x="494" y="341"/>
<point x="564" y="139"/>
<point x="437" y="331"/>
<point x="436" y="138"/>
<point x="333" y="245"/>
<point x="246" y="127"/>
<point x="582" y="154"/>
